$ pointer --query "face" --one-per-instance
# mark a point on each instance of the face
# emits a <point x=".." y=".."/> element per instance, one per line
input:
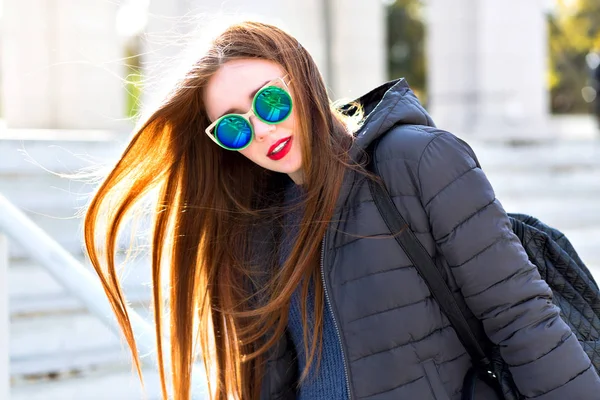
<point x="231" y="90"/>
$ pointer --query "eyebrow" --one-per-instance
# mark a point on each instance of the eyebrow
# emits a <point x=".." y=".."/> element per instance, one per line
<point x="237" y="110"/>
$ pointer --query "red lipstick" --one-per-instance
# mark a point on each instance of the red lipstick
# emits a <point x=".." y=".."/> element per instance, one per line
<point x="283" y="151"/>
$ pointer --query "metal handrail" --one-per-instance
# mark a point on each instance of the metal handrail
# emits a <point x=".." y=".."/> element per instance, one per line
<point x="76" y="279"/>
<point x="4" y="320"/>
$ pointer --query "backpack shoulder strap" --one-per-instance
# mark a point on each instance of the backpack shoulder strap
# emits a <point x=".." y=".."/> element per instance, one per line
<point x="426" y="267"/>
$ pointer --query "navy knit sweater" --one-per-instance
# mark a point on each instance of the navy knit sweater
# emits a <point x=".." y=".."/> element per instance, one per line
<point x="328" y="382"/>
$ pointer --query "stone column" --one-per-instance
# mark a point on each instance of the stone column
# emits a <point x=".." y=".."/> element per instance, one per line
<point x="358" y="47"/>
<point x="487" y="68"/>
<point x="452" y="63"/>
<point x="27" y="83"/>
<point x="62" y="65"/>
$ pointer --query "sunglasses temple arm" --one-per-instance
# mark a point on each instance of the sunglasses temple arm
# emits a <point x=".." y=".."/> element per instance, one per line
<point x="212" y="137"/>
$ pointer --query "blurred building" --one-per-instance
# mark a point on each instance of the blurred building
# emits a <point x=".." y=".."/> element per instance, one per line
<point x="63" y="65"/>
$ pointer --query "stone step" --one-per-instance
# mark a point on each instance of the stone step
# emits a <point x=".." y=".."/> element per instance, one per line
<point x="67" y="229"/>
<point x="59" y="153"/>
<point x="559" y="213"/>
<point x="55" y="344"/>
<point x="75" y="357"/>
<point x="106" y="383"/>
<point x="557" y="157"/>
<point x="45" y="193"/>
<point x="67" y="362"/>
<point x="48" y="296"/>
<point x="64" y="343"/>
<point x="114" y="383"/>
<point x="29" y="166"/>
<point x="51" y="331"/>
<point x="575" y="185"/>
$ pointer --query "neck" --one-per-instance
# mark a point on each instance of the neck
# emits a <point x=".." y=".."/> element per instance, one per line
<point x="297" y="177"/>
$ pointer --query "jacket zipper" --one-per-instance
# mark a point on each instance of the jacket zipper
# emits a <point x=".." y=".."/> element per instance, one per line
<point x="335" y="324"/>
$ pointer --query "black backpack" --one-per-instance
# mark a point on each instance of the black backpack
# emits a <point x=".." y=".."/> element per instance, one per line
<point x="575" y="292"/>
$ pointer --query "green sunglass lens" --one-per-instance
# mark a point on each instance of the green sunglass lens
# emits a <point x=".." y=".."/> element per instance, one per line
<point x="273" y="104"/>
<point x="234" y="132"/>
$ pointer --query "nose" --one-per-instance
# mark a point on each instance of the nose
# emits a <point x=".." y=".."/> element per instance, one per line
<point x="261" y="129"/>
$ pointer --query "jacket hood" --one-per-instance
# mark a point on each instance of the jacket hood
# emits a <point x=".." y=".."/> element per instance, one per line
<point x="386" y="106"/>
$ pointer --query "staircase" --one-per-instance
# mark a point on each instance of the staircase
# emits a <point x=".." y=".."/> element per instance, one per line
<point x="559" y="183"/>
<point x="57" y="349"/>
<point x="60" y="351"/>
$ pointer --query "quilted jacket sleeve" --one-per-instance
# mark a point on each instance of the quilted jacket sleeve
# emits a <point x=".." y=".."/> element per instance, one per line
<point x="500" y="285"/>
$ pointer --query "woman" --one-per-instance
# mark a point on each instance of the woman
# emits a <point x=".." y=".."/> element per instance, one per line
<point x="278" y="260"/>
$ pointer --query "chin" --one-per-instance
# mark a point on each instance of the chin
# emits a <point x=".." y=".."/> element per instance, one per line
<point x="293" y="167"/>
<point x="290" y="169"/>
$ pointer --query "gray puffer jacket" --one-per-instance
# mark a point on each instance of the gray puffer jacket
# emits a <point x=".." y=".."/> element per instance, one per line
<point x="396" y="342"/>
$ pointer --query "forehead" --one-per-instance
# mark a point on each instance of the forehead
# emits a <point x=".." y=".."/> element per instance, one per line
<point x="232" y="85"/>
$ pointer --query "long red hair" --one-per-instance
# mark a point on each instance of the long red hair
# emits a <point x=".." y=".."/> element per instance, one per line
<point x="207" y="202"/>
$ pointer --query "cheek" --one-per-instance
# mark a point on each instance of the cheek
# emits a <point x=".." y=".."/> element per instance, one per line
<point x="250" y="152"/>
<point x="255" y="153"/>
<point x="290" y="123"/>
<point x="292" y="126"/>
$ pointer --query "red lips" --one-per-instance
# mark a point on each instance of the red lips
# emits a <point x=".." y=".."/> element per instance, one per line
<point x="283" y="152"/>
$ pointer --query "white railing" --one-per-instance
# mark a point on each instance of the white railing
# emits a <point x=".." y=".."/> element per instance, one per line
<point x="75" y="278"/>
<point x="4" y="320"/>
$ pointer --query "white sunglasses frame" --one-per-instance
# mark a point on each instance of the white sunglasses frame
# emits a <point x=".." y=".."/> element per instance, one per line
<point x="209" y="131"/>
